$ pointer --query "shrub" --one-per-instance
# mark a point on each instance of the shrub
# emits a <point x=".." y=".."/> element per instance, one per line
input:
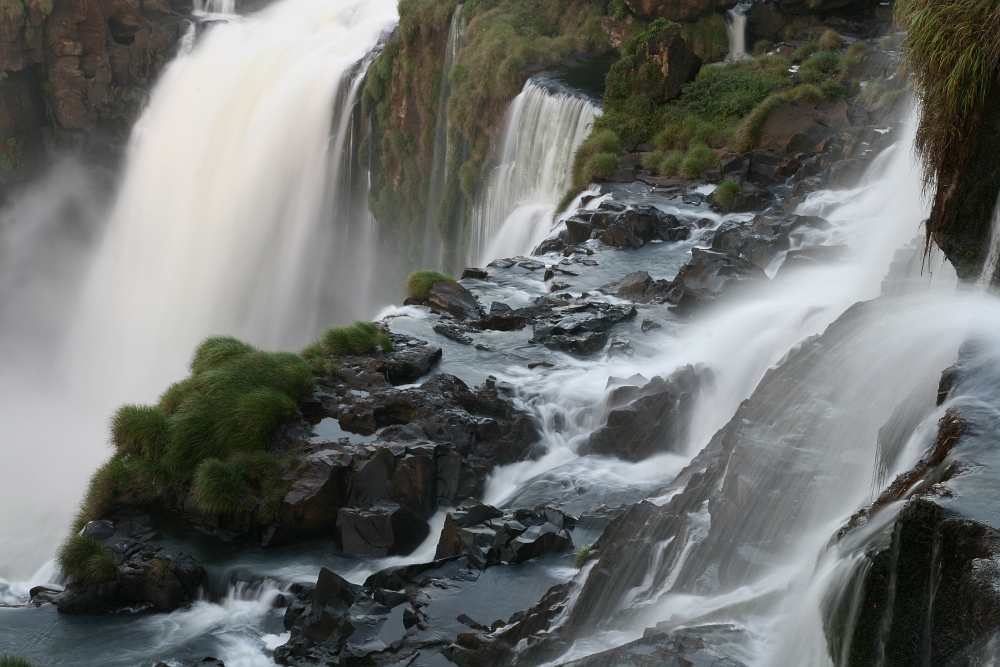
<point x="833" y="90"/>
<point x="105" y="487"/>
<point x="671" y="163"/>
<point x="652" y="162"/>
<point x="316" y="357"/>
<point x="419" y="283"/>
<point x="8" y="660"/>
<point x="725" y="194"/>
<point x="806" y="50"/>
<point x="762" y="46"/>
<point x="617" y="8"/>
<point x="360" y="337"/>
<point x="708" y="37"/>
<point x="220" y="488"/>
<point x="582" y="555"/>
<point x="140" y="430"/>
<point x="599" y="141"/>
<point x="858" y="50"/>
<point x="85" y="560"/>
<point x="726" y="93"/>
<point x="699" y="158"/>
<point x="831" y="41"/>
<point x="600" y="166"/>
<point x="809" y="92"/>
<point x="748" y="132"/>
<point x="824" y="62"/>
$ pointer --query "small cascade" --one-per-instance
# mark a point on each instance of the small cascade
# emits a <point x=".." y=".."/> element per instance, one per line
<point x="227" y="7"/>
<point x="543" y="129"/>
<point x="993" y="256"/>
<point x="736" y="26"/>
<point x="438" y="203"/>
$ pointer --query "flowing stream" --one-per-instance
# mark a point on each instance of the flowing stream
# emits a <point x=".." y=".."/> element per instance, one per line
<point x="736" y="26"/>
<point x="543" y="129"/>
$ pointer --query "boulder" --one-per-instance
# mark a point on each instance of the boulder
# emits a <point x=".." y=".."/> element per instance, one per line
<point x="454" y="298"/>
<point x="384" y="529"/>
<point x="709" y="275"/>
<point x="803" y="127"/>
<point x="488" y="536"/>
<point x="581" y="328"/>
<point x="765" y="238"/>
<point x="651" y="418"/>
<point x="620" y="227"/>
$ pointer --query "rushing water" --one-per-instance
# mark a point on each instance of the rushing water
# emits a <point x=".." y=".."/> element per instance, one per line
<point x="736" y="26"/>
<point x="542" y="131"/>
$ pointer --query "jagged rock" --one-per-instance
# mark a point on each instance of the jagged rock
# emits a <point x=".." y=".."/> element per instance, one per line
<point x="708" y="275"/>
<point x="204" y="662"/>
<point x="453" y="332"/>
<point x="768" y="168"/>
<point x="488" y="536"/>
<point x="813" y="255"/>
<point x="454" y="298"/>
<point x="475" y="274"/>
<point x="580" y="328"/>
<point x="148" y="575"/>
<point x="631" y="227"/>
<point x="409" y="360"/>
<point x="803" y="127"/>
<point x="651" y="418"/>
<point x="765" y="238"/>
<point x="683" y="648"/>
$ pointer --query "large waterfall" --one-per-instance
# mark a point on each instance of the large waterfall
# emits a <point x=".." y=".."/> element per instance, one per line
<point x="542" y="131"/>
<point x="240" y="212"/>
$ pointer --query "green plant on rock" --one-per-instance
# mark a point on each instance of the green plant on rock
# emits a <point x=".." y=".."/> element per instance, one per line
<point x="708" y="37"/>
<point x="87" y="561"/>
<point x="831" y="41"/>
<point x="355" y="338"/>
<point x="726" y="193"/>
<point x="8" y="660"/>
<point x="162" y="568"/>
<point x="762" y="47"/>
<point x="419" y="283"/>
<point x="582" y="554"/>
<point x="593" y="157"/>
<point x="698" y="158"/>
<point x="315" y="356"/>
<point x="748" y="132"/>
<point x="670" y="165"/>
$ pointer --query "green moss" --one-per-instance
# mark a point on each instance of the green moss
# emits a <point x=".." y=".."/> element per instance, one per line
<point x="726" y="193"/>
<point x="419" y="283"/>
<point x="86" y="561"/>
<point x="708" y="37"/>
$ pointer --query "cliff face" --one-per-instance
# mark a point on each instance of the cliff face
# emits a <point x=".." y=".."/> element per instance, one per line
<point x="76" y="72"/>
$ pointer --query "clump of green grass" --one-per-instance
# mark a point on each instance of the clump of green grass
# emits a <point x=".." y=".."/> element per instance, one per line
<point x="11" y="9"/>
<point x="698" y="158"/>
<point x="592" y="156"/>
<point x="762" y="47"/>
<point x="831" y="41"/>
<point x="86" y="561"/>
<point x="726" y="193"/>
<point x="806" y="50"/>
<point x="652" y="161"/>
<point x="748" y="132"/>
<point x="582" y="554"/>
<point x="8" y="660"/>
<point x="671" y="163"/>
<point x="355" y="338"/>
<point x="315" y="356"/>
<point x="208" y="435"/>
<point x="162" y="568"/>
<point x="857" y="50"/>
<point x="953" y="49"/>
<point x="809" y="92"/>
<point x="419" y="283"/>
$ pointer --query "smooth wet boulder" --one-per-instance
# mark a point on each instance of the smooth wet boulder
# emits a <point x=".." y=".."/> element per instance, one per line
<point x="707" y="276"/>
<point x="650" y="418"/>
<point x="623" y="227"/>
<point x="766" y="237"/>
<point x="454" y="298"/>
<point x="383" y="529"/>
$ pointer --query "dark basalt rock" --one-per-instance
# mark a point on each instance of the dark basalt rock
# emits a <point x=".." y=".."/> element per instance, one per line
<point x="454" y="298"/>
<point x="488" y="536"/>
<point x="653" y="418"/>
<point x="707" y="276"/>
<point x="384" y="529"/>
<point x="580" y="328"/>
<point x="148" y="575"/>
<point x="631" y="227"/>
<point x="765" y="238"/>
<point x="204" y="662"/>
<point x="691" y="647"/>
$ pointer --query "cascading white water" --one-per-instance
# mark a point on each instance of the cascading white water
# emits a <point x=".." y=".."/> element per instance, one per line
<point x="240" y="212"/>
<point x="541" y="133"/>
<point x="736" y="26"/>
<point x="442" y="141"/>
<point x="993" y="256"/>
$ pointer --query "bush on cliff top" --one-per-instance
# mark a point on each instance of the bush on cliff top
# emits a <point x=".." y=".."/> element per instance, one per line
<point x="953" y="49"/>
<point x="419" y="283"/>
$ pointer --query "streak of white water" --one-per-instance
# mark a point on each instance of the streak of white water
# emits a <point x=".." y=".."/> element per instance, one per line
<point x="736" y="26"/>
<point x="993" y="256"/>
<point x="541" y="133"/>
<point x="226" y="7"/>
<point x="239" y="213"/>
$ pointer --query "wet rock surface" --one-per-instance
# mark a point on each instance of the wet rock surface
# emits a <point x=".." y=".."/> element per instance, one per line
<point x="622" y="226"/>
<point x="691" y="647"/>
<point x="149" y="576"/>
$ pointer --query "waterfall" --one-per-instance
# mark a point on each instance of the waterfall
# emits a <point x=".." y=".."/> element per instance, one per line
<point x="240" y="212"/>
<point x="542" y="131"/>
<point x="736" y="26"/>
<point x="993" y="256"/>
<point x="437" y="205"/>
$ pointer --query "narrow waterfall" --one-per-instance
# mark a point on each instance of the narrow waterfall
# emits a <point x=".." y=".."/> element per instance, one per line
<point x="736" y="26"/>
<point x="241" y="212"/>
<point x="437" y="204"/>
<point x="993" y="256"/>
<point x="542" y="131"/>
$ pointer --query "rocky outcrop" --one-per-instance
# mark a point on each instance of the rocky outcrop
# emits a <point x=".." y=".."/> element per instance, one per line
<point x="689" y="647"/>
<point x="766" y="238"/>
<point x="149" y="576"/>
<point x="580" y="328"/>
<point x="622" y="226"/>
<point x="928" y="586"/>
<point x="79" y="72"/>
<point x="666" y="65"/>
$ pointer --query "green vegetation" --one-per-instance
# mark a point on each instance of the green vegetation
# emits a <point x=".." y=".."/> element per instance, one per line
<point x="594" y="155"/>
<point x="355" y="338"/>
<point x="85" y="559"/>
<point x="831" y="41"/>
<point x="401" y="94"/>
<point x="11" y="9"/>
<point x="315" y="356"/>
<point x="162" y="568"/>
<point x="698" y="158"/>
<point x="708" y="37"/>
<point x="419" y="283"/>
<point x="582" y="555"/>
<point x="725" y="194"/>
<point x="953" y="49"/>
<point x="209" y="434"/>
<point x="762" y="47"/>
<point x="8" y="660"/>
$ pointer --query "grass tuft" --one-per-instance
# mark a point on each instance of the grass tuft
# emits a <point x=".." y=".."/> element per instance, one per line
<point x="220" y="488"/>
<point x="8" y="660"/>
<point x="585" y="166"/>
<point x="218" y="351"/>
<point x="162" y="569"/>
<point x="85" y="560"/>
<point x="670" y="165"/>
<point x="748" y="132"/>
<point x="698" y="159"/>
<point x="140" y="430"/>
<point x="582" y="555"/>
<point x="419" y="283"/>
<point x="726" y="193"/>
<point x="356" y="338"/>
<point x="320" y="364"/>
<point x="831" y="41"/>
